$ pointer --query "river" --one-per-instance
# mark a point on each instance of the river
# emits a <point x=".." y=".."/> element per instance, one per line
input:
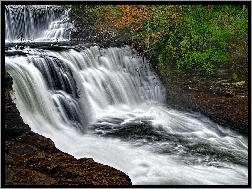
<point x="109" y="104"/>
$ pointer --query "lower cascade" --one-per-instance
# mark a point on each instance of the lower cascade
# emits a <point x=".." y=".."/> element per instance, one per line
<point x="108" y="104"/>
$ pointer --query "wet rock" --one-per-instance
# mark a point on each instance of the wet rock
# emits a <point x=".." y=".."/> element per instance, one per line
<point x="224" y="102"/>
<point x="137" y="130"/>
<point x="17" y="176"/>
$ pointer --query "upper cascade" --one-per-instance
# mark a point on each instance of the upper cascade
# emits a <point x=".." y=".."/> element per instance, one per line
<point x="36" y="23"/>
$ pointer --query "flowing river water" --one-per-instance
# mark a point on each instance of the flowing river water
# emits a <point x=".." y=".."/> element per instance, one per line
<point x="109" y="104"/>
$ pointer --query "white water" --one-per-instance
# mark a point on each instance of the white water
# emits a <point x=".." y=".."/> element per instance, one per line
<point x="116" y="117"/>
<point x="36" y="23"/>
<point x="107" y="104"/>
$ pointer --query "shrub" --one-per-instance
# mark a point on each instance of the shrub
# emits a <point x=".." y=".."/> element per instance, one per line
<point x="186" y="38"/>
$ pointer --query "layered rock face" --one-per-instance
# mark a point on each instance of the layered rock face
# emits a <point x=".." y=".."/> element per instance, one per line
<point x="32" y="159"/>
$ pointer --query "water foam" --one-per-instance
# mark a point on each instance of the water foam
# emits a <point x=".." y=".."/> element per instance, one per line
<point x="107" y="104"/>
<point x="36" y="23"/>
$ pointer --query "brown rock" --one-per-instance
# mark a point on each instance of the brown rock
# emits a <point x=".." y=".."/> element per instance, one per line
<point x="224" y="102"/>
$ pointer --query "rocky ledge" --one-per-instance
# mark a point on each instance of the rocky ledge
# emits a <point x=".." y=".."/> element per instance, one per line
<point x="222" y="100"/>
<point x="32" y="159"/>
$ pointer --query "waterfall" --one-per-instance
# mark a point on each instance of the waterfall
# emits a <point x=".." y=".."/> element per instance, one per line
<point x="109" y="104"/>
<point x="83" y="83"/>
<point x="36" y="23"/>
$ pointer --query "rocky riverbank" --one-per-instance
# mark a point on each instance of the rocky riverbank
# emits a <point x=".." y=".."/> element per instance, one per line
<point x="218" y="97"/>
<point x="32" y="159"/>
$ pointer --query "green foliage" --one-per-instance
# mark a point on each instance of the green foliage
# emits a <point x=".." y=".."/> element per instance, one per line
<point x="8" y="93"/>
<point x="86" y="14"/>
<point x="185" y="38"/>
<point x="85" y="17"/>
<point x="234" y="77"/>
<point x="198" y="40"/>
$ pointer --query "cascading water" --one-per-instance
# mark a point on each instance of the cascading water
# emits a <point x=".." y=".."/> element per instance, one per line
<point x="107" y="103"/>
<point x="36" y="23"/>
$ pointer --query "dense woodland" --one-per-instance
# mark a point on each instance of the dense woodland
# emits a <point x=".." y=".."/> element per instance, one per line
<point x="182" y="39"/>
